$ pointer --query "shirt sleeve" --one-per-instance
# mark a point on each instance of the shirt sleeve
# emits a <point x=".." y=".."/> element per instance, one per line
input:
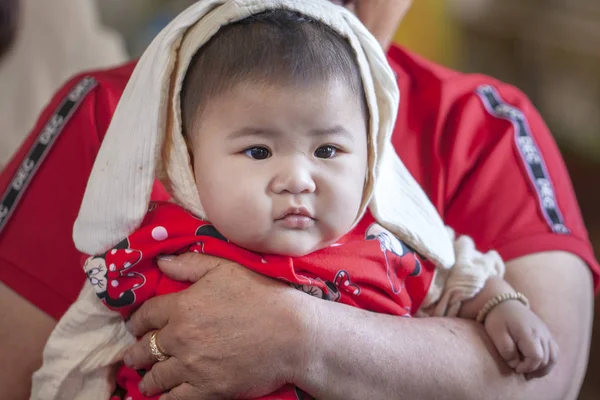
<point x="41" y="190"/>
<point x="506" y="183"/>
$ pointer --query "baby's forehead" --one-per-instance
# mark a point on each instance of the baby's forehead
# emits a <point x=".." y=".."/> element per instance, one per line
<point x="276" y="47"/>
<point x="278" y="112"/>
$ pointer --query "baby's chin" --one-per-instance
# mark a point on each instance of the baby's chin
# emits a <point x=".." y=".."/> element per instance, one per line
<point x="286" y="251"/>
<point x="286" y="246"/>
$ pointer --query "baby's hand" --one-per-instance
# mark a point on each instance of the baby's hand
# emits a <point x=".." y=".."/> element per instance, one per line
<point x="522" y="339"/>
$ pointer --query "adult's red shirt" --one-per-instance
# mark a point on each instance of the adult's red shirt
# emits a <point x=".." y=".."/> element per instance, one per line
<point x="477" y="146"/>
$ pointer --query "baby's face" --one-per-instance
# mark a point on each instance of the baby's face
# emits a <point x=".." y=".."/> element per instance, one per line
<point x="281" y="170"/>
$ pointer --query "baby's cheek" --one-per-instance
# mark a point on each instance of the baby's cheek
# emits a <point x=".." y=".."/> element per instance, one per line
<point x="240" y="217"/>
<point x="214" y="190"/>
<point x="340" y="218"/>
<point x="353" y="195"/>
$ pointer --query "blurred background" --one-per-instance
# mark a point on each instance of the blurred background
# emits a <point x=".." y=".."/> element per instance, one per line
<point x="550" y="49"/>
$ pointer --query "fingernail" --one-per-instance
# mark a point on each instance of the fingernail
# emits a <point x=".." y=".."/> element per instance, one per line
<point x="128" y="361"/>
<point x="128" y="326"/>
<point x="166" y="257"/>
<point x="142" y="387"/>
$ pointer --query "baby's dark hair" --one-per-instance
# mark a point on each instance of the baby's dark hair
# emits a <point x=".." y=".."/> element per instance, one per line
<point x="273" y="47"/>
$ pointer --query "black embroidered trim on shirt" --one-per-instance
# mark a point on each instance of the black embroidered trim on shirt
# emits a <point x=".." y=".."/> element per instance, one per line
<point x="530" y="155"/>
<point x="41" y="147"/>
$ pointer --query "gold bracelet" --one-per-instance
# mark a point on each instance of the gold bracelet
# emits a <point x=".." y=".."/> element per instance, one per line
<point x="497" y="300"/>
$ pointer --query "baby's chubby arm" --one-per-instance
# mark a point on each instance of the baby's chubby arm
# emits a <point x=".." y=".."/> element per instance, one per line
<point x="522" y="339"/>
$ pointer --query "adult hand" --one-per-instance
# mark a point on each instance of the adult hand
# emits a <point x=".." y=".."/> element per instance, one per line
<point x="234" y="333"/>
<point x="381" y="17"/>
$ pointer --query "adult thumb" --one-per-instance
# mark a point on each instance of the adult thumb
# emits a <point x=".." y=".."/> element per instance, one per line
<point x="188" y="267"/>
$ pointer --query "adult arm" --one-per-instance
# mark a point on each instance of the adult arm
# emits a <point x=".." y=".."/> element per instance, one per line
<point x="333" y="351"/>
<point x="9" y="19"/>
<point x="24" y="330"/>
<point x="385" y="357"/>
<point x="381" y="17"/>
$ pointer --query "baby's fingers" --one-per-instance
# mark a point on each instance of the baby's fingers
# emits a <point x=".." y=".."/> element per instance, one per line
<point x="553" y="354"/>
<point x="506" y="346"/>
<point x="533" y="355"/>
<point x="552" y="359"/>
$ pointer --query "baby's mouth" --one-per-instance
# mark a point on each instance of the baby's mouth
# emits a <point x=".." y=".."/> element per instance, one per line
<point x="296" y="218"/>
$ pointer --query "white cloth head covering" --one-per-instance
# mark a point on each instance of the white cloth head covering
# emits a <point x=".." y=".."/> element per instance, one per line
<point x="120" y="184"/>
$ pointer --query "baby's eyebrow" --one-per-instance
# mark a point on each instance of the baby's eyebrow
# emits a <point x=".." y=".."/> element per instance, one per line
<point x="336" y="130"/>
<point x="251" y="131"/>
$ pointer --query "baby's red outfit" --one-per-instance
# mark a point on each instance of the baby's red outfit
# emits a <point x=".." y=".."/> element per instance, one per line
<point x="368" y="268"/>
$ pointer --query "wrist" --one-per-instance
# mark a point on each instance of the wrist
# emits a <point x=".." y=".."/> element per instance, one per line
<point x="304" y="342"/>
<point x="494" y="286"/>
<point x="501" y="301"/>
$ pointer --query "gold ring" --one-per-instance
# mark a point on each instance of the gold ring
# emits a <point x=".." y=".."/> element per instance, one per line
<point x="155" y="350"/>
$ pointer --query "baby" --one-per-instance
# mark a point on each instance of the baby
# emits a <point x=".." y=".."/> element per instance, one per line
<point x="279" y="129"/>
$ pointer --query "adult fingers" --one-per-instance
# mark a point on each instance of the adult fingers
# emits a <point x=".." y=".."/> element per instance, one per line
<point x="189" y="267"/>
<point x="139" y="355"/>
<point x="163" y="376"/>
<point x="153" y="314"/>
<point x="185" y="391"/>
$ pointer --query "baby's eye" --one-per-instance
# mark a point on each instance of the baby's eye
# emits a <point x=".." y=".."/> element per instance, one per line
<point x="326" y="151"/>
<point x="258" y="153"/>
